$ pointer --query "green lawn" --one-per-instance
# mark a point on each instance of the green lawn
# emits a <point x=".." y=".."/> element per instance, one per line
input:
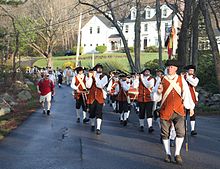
<point x="114" y="59"/>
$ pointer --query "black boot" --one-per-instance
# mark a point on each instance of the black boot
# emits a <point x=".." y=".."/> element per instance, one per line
<point x="150" y="129"/>
<point x="193" y="133"/>
<point x="85" y="120"/>
<point x="48" y="112"/>
<point x="78" y="120"/>
<point x="142" y="128"/>
<point x="98" y="132"/>
<point x="92" y="128"/>
<point x="125" y="123"/>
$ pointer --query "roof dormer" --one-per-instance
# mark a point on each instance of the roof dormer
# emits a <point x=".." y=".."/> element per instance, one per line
<point x="149" y="12"/>
<point x="165" y="11"/>
<point x="133" y="13"/>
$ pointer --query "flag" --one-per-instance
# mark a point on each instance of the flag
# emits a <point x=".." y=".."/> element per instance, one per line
<point x="169" y="42"/>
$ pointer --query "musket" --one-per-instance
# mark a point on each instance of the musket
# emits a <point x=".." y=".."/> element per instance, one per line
<point x="186" y="134"/>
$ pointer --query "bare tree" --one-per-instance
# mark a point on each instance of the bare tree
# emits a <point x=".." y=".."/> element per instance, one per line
<point x="211" y="35"/>
<point x="110" y="6"/>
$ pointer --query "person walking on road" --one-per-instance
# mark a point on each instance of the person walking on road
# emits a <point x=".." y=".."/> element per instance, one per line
<point x="174" y="94"/>
<point x="80" y="93"/>
<point x="45" y="88"/>
<point x="96" y="97"/>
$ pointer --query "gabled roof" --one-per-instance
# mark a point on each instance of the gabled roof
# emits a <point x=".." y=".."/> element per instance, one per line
<point x="105" y="21"/>
<point x="143" y="19"/>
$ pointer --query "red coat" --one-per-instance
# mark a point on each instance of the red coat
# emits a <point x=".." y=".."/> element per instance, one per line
<point x="173" y="102"/>
<point x="80" y="88"/>
<point x="95" y="93"/>
<point x="144" y="93"/>
<point x="113" y="87"/>
<point x="122" y="95"/>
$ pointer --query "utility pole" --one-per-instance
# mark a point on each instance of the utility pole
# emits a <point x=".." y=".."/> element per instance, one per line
<point x="78" y="40"/>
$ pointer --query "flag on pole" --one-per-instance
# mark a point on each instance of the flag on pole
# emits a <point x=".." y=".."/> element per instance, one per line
<point x="169" y="42"/>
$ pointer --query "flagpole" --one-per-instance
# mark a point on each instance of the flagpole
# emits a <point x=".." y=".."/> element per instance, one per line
<point x="78" y="40"/>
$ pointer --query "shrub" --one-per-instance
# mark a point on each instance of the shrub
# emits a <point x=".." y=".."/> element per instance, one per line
<point x="122" y="50"/>
<point x="206" y="72"/>
<point x="74" y="49"/>
<point x="69" y="64"/>
<point x="151" y="49"/>
<point x="153" y="65"/>
<point x="101" y="49"/>
<point x="59" y="53"/>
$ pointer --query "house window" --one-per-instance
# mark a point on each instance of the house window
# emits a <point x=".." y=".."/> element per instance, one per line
<point x="90" y="44"/>
<point x="97" y="44"/>
<point x="126" y="28"/>
<point x="98" y="29"/>
<point x="148" y="14"/>
<point x="90" y="30"/>
<point x="165" y="12"/>
<point x="145" y="27"/>
<point x="103" y="44"/>
<point x="133" y="14"/>
<point x="84" y="44"/>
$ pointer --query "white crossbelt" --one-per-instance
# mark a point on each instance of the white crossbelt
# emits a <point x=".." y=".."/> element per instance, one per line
<point x="81" y="83"/>
<point x="173" y="85"/>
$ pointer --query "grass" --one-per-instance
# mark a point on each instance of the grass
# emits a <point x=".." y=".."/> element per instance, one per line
<point x="110" y="58"/>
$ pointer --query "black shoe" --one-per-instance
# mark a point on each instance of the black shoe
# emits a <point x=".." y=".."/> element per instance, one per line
<point x="193" y="133"/>
<point x="150" y="129"/>
<point x="78" y="120"/>
<point x="172" y="143"/>
<point x="167" y="159"/>
<point x="178" y="159"/>
<point x="92" y="128"/>
<point x="85" y="120"/>
<point x="48" y="112"/>
<point x="121" y="121"/>
<point x="44" y="112"/>
<point x="142" y="128"/>
<point x="98" y="132"/>
<point x="125" y="123"/>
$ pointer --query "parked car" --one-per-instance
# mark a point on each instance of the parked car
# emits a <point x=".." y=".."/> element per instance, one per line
<point x="69" y="53"/>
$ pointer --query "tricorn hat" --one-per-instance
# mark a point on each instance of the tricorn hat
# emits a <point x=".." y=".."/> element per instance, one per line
<point x="172" y="63"/>
<point x="78" y="69"/>
<point x="146" y="69"/>
<point x="98" y="66"/>
<point x="190" y="67"/>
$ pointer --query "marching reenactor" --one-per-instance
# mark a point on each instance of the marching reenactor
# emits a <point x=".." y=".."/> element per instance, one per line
<point x="68" y="74"/>
<point x="145" y="83"/>
<point x="80" y="93"/>
<point x="123" y="98"/>
<point x="113" y="82"/>
<point x="174" y="94"/>
<point x="192" y="81"/>
<point x="96" y="97"/>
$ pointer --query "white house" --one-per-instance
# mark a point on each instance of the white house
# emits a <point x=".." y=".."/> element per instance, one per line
<point x="149" y="36"/>
<point x="100" y="31"/>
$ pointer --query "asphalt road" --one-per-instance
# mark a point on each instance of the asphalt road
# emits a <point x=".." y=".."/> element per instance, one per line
<point x="58" y="142"/>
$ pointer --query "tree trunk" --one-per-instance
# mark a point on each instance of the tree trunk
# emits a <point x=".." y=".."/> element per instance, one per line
<point x="211" y="35"/>
<point x="50" y="60"/>
<point x="158" y="16"/>
<point x="195" y="40"/>
<point x="137" y="44"/>
<point x="15" y="54"/>
<point x="183" y="41"/>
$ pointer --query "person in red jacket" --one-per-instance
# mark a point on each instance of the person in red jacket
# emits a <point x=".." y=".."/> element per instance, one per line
<point x="174" y="94"/>
<point x="96" y="97"/>
<point x="145" y="83"/>
<point x="45" y="88"/>
<point x="192" y="81"/>
<point x="79" y="86"/>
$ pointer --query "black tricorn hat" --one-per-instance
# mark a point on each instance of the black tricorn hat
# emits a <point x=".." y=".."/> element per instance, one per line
<point x="98" y="66"/>
<point x="122" y="75"/>
<point x="190" y="67"/>
<point x="159" y="70"/>
<point x="145" y="70"/>
<point x="78" y="69"/>
<point x="172" y="63"/>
